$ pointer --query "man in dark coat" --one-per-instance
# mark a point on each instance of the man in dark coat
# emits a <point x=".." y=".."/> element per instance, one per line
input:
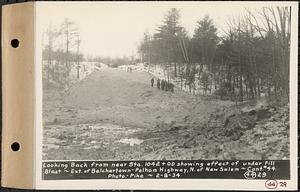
<point x="172" y="87"/>
<point x="152" y="82"/>
<point x="162" y="84"/>
<point x="167" y="86"/>
<point x="158" y="83"/>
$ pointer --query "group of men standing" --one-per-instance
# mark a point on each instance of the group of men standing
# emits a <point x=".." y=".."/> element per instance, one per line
<point x="163" y="85"/>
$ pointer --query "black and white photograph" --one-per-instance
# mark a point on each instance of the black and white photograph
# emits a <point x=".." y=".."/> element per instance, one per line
<point x="166" y="81"/>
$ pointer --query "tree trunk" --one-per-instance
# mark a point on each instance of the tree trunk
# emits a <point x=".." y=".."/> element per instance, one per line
<point x="175" y="69"/>
<point x="241" y="88"/>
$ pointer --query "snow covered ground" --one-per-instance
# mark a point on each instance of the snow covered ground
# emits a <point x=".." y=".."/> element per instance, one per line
<point x="85" y="69"/>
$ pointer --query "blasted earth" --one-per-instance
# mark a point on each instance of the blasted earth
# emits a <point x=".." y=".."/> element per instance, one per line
<point x="113" y="114"/>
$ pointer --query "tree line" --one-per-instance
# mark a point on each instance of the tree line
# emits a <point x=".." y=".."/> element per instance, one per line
<point x="249" y="60"/>
<point x="113" y="61"/>
<point x="61" y="53"/>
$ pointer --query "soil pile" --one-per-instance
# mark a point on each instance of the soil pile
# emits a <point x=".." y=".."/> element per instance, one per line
<point x="257" y="132"/>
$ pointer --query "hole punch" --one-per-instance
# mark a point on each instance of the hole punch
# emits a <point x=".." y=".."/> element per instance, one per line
<point x="15" y="146"/>
<point x="15" y="43"/>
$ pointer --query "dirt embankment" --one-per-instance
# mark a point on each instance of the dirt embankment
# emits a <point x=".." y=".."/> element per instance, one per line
<point x="116" y="115"/>
<point x="127" y="99"/>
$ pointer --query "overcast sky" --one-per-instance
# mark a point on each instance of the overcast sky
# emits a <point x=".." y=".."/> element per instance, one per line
<point x="116" y="28"/>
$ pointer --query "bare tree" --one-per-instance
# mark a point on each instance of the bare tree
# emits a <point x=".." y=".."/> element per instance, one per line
<point x="78" y="41"/>
<point x="70" y="32"/>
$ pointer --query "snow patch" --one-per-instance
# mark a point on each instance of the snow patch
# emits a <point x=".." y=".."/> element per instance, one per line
<point x="131" y="141"/>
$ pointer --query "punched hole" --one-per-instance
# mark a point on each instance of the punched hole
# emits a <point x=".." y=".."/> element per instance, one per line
<point x="15" y="146"/>
<point x="15" y="43"/>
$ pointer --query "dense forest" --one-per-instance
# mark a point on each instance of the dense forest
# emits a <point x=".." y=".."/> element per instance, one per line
<point x="249" y="60"/>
